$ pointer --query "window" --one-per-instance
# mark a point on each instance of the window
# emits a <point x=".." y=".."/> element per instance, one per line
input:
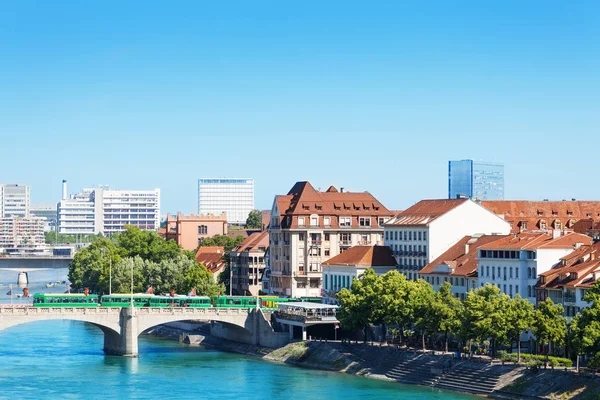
<point x="314" y="221"/>
<point x="326" y="282"/>
<point x="386" y="235"/>
<point x="517" y="272"/>
<point x="327" y="252"/>
<point x="301" y="221"/>
<point x="327" y="221"/>
<point x="517" y="289"/>
<point x="488" y="271"/>
<point x="345" y="221"/>
<point x="301" y="236"/>
<point x="326" y="237"/>
<point x="396" y="235"/>
<point x="364" y="221"/>
<point x="528" y="291"/>
<point x="425" y="235"/>
<point x="410" y="235"/>
<point x="202" y="230"/>
<point x="381" y="221"/>
<point x="405" y="235"/>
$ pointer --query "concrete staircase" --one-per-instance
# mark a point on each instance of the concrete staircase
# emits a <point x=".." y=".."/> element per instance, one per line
<point x="418" y="369"/>
<point x="471" y="377"/>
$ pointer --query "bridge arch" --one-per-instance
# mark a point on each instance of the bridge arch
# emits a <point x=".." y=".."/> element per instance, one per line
<point x="151" y="317"/>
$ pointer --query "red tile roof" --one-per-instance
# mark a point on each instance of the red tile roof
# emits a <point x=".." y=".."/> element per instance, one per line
<point x="533" y="241"/>
<point x="462" y="257"/>
<point x="254" y="242"/>
<point x="364" y="256"/>
<point x="304" y="200"/>
<point x="426" y="211"/>
<point x="533" y="213"/>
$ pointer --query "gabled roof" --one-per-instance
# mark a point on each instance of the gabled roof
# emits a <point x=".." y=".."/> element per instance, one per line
<point x="535" y="241"/>
<point x="462" y="257"/>
<point x="253" y="242"/>
<point x="364" y="256"/>
<point x="303" y="200"/>
<point x="426" y="211"/>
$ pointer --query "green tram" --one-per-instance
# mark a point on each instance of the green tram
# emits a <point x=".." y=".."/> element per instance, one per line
<point x="65" y="300"/>
<point x="124" y="300"/>
<point x="180" y="301"/>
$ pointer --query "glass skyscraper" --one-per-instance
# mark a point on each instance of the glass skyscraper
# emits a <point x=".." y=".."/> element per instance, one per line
<point x="476" y="180"/>
<point x="233" y="196"/>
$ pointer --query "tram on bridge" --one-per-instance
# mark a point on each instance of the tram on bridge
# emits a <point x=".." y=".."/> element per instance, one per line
<point x="151" y="300"/>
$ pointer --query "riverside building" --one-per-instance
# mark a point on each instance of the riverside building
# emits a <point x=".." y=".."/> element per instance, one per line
<point x="235" y="197"/>
<point x="104" y="210"/>
<point x="22" y="235"/>
<point x="309" y="227"/>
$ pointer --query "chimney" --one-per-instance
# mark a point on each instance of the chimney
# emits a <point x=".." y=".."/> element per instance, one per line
<point x="556" y="233"/>
<point x="64" y="189"/>
<point x="467" y="248"/>
<point x="577" y="245"/>
<point x="341" y="190"/>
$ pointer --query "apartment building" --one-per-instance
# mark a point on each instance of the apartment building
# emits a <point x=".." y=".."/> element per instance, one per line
<point x="47" y="212"/>
<point x="514" y="262"/>
<point x="421" y="233"/>
<point x="248" y="261"/>
<point x="14" y="200"/>
<point x="458" y="265"/>
<point x="22" y="235"/>
<point x="309" y="227"/>
<point x="339" y="271"/>
<point x="95" y="210"/>
<point x="188" y="230"/>
<point x="234" y="197"/>
<point x="568" y="281"/>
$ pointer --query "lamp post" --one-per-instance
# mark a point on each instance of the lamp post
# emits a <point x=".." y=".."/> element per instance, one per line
<point x="110" y="275"/>
<point x="132" y="284"/>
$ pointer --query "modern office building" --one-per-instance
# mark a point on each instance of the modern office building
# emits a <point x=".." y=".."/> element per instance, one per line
<point x="476" y="180"/>
<point x="235" y="197"/>
<point x="104" y="210"/>
<point x="47" y="212"/>
<point x="14" y="200"/>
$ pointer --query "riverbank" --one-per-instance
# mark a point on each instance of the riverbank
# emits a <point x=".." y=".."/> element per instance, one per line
<point x="477" y="376"/>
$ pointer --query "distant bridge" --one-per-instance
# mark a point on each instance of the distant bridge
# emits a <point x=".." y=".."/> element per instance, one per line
<point x="21" y="263"/>
<point x="122" y="326"/>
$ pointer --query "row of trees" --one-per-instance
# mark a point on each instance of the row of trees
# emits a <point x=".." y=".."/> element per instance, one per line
<point x="158" y="263"/>
<point x="485" y="316"/>
<point x="53" y="237"/>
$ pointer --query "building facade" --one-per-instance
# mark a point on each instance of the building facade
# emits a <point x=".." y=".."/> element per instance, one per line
<point x="47" y="212"/>
<point x="458" y="265"/>
<point x="475" y="180"/>
<point x="188" y="230"/>
<point x="423" y="232"/>
<point x="235" y="197"/>
<point x="308" y="227"/>
<point x="22" y="235"/>
<point x="339" y="271"/>
<point x="568" y="282"/>
<point x="514" y="262"/>
<point x="14" y="200"/>
<point x="104" y="210"/>
<point x="248" y="261"/>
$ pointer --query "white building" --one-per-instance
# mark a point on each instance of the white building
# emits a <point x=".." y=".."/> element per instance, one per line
<point x="420" y="234"/>
<point x="568" y="282"/>
<point x="232" y="196"/>
<point x="14" y="200"/>
<point x="309" y="227"/>
<point x="514" y="262"/>
<point x="22" y="235"/>
<point x="96" y="210"/>
<point x="47" y="212"/>
<point x="339" y="271"/>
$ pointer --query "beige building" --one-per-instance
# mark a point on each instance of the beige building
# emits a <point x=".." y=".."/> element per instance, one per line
<point x="212" y="258"/>
<point x="309" y="227"/>
<point x="188" y="230"/>
<point x="22" y="235"/>
<point x="248" y="264"/>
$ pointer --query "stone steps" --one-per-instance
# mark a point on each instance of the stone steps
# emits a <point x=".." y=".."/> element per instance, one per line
<point x="477" y="380"/>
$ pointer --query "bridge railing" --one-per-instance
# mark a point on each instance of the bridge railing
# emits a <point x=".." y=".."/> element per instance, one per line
<point x="193" y="311"/>
<point x="58" y="310"/>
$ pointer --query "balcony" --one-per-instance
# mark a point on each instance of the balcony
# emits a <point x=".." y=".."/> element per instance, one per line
<point x="345" y="242"/>
<point x="365" y="242"/>
<point x="315" y="243"/>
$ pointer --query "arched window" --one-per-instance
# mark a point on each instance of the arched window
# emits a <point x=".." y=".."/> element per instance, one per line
<point x="529" y="291"/>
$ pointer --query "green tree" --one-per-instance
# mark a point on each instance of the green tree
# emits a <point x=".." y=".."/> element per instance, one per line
<point x="484" y="316"/>
<point x="196" y="276"/>
<point x="146" y="244"/>
<point x="549" y="325"/>
<point x="90" y="266"/>
<point x="519" y="317"/>
<point x="225" y="241"/>
<point x="359" y="308"/>
<point x="121" y="275"/>
<point x="254" y="220"/>
<point x="422" y="301"/>
<point x="584" y="329"/>
<point x="223" y="278"/>
<point x="443" y="313"/>
<point x="394" y="301"/>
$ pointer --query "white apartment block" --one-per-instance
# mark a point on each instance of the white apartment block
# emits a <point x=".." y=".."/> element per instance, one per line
<point x="235" y="197"/>
<point x="96" y="210"/>
<point x="309" y="227"/>
<point x="420" y="234"/>
<point x="514" y="262"/>
<point x="14" y="200"/>
<point x="22" y="234"/>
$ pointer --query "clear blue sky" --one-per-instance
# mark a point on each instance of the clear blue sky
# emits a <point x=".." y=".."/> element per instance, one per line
<point x="373" y="96"/>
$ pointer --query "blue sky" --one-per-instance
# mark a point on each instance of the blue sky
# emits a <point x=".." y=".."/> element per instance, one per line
<point x="373" y="96"/>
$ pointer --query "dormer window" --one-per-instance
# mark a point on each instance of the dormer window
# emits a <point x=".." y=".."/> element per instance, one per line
<point x="301" y="221"/>
<point x="569" y="213"/>
<point x="542" y="224"/>
<point x="554" y="213"/>
<point x="305" y="207"/>
<point x="557" y="224"/>
<point x="540" y="213"/>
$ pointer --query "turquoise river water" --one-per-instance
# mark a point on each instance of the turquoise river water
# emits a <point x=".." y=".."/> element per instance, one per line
<point x="64" y="359"/>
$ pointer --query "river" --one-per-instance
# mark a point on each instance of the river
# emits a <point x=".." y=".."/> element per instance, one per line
<point x="64" y="359"/>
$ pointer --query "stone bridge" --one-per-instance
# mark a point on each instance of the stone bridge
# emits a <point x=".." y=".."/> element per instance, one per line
<point x="122" y="326"/>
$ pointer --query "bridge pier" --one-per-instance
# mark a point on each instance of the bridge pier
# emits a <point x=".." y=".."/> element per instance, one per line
<point x="125" y="343"/>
